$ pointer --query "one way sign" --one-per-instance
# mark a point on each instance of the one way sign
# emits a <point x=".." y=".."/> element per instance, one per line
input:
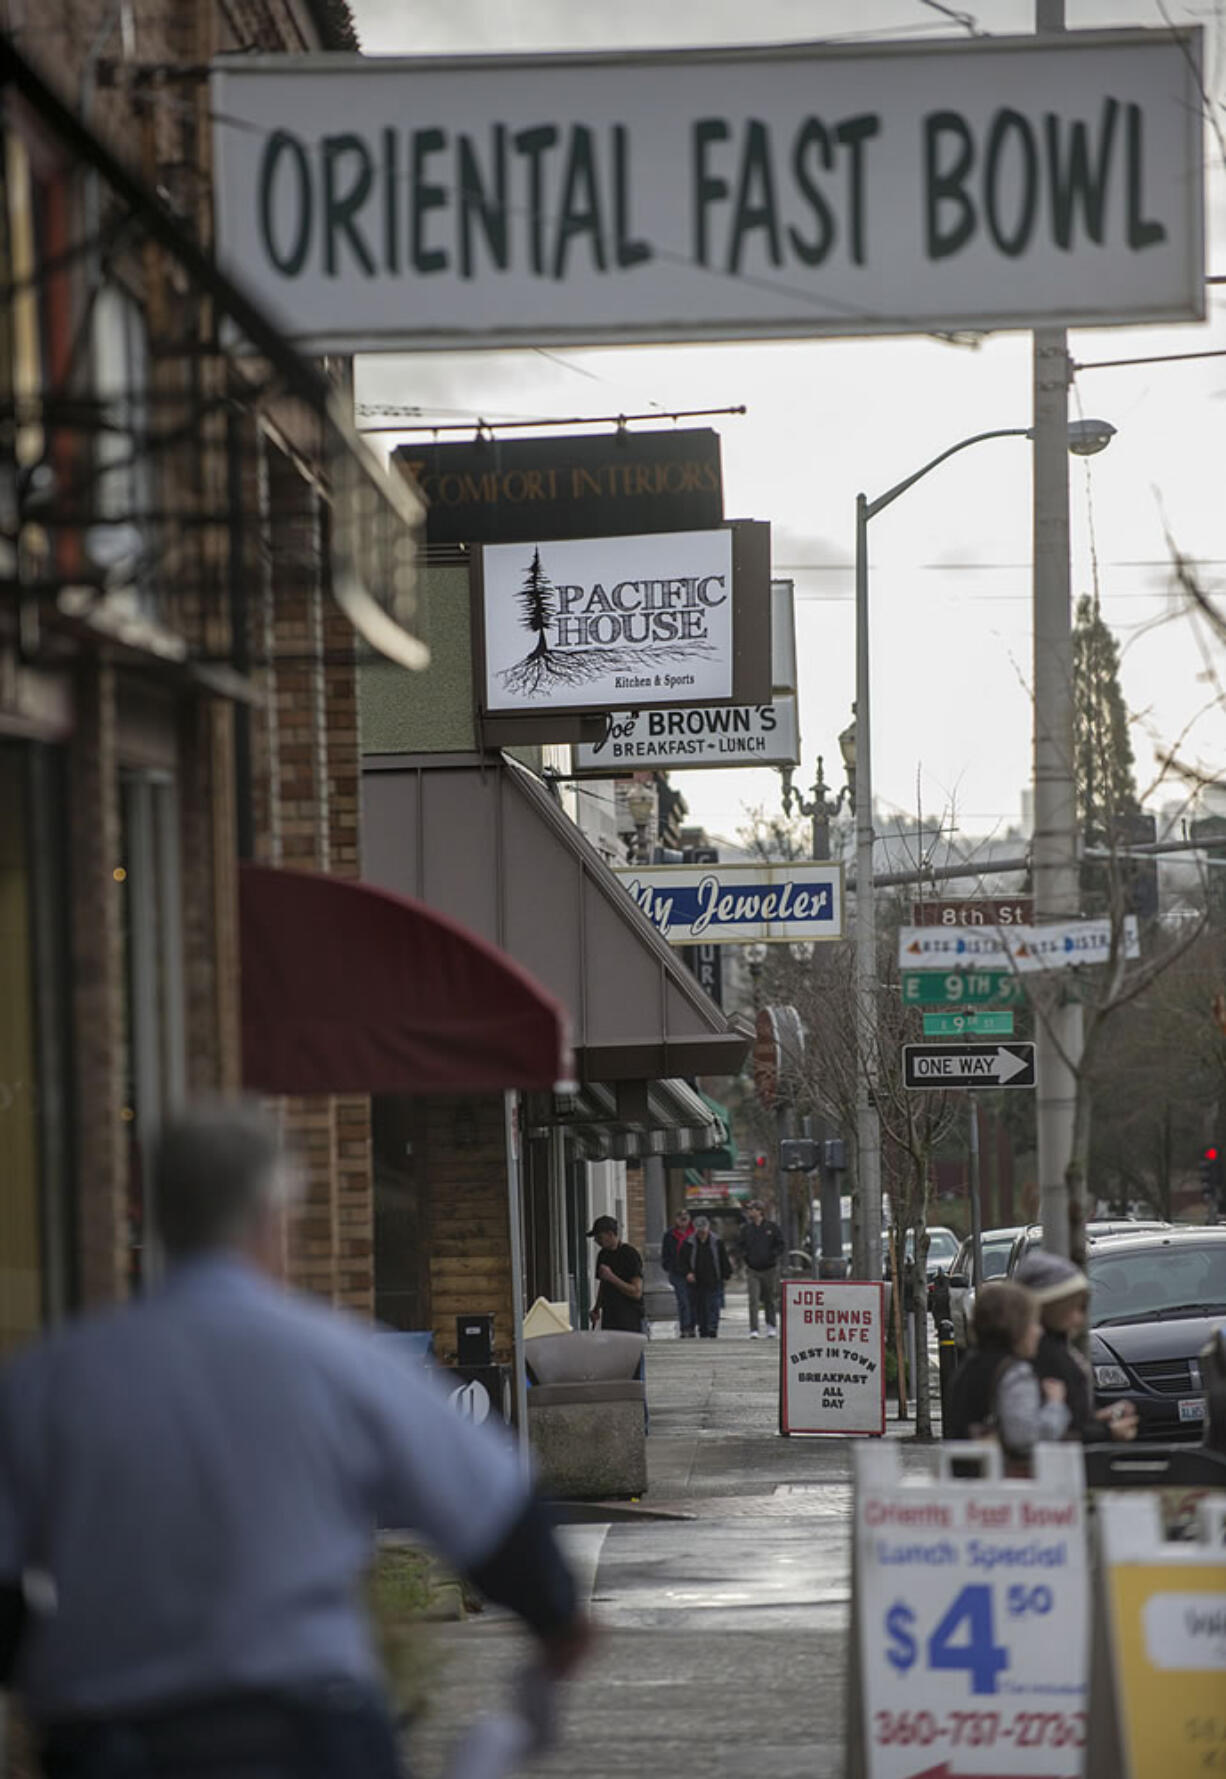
<point x="968" y="1065"/>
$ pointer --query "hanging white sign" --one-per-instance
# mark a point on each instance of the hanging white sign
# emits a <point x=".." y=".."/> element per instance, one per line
<point x="716" y="735"/>
<point x="793" y="190"/>
<point x="971" y="1603"/>
<point x="594" y="622"/>
<point x="832" y="1372"/>
<point x="739" y="904"/>
<point x="1061" y="946"/>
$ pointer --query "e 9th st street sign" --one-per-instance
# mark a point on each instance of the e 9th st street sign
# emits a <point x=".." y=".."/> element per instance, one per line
<point x="967" y="1066"/>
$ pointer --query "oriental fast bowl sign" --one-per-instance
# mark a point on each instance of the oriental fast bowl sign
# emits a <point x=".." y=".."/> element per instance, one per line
<point x="789" y="191"/>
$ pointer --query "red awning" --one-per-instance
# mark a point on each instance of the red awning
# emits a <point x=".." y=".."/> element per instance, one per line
<point x="349" y="989"/>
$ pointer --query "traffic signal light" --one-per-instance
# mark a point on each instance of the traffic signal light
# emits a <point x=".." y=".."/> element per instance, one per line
<point x="1212" y="1176"/>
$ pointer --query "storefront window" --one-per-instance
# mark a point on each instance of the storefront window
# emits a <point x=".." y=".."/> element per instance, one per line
<point x="156" y="1059"/>
<point x="35" y="1274"/>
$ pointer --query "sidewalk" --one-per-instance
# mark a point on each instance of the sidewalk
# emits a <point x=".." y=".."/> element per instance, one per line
<point x="724" y="1621"/>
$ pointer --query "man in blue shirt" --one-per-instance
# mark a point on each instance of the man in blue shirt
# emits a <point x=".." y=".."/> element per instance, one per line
<point x="192" y="1482"/>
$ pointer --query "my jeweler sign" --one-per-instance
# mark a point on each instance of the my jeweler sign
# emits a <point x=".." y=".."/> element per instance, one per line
<point x="731" y="193"/>
<point x="970" y="1618"/>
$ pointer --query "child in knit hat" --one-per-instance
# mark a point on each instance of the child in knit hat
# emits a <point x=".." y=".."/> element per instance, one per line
<point x="1062" y="1292"/>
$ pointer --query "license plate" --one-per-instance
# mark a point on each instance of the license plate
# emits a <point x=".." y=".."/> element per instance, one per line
<point x="1193" y="1409"/>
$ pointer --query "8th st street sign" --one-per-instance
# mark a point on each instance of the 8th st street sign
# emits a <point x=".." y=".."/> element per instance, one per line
<point x="967" y="1066"/>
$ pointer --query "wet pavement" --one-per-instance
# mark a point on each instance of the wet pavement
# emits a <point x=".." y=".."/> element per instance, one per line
<point x="723" y="1621"/>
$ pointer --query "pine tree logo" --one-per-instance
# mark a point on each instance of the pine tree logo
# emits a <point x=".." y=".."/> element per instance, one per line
<point x="539" y="604"/>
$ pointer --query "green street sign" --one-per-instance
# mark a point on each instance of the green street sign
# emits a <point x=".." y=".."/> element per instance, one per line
<point x="974" y="1024"/>
<point x="961" y="988"/>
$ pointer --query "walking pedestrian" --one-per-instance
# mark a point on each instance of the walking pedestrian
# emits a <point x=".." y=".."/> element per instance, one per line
<point x="1062" y="1293"/>
<point x="761" y="1244"/>
<point x="189" y="1485"/>
<point x="670" y="1259"/>
<point x="707" y="1270"/>
<point x="996" y="1392"/>
<point x="619" y="1279"/>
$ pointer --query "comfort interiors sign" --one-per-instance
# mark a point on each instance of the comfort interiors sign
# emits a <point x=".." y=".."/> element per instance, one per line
<point x="594" y="623"/>
<point x="734" y="193"/>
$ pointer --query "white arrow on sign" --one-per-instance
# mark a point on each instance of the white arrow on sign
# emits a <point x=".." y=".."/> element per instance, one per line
<point x="968" y="1065"/>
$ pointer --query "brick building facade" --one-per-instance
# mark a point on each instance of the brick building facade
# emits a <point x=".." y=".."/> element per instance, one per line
<point x="156" y="729"/>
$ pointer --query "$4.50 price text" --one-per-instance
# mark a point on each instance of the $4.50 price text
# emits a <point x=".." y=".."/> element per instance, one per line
<point x="964" y="1638"/>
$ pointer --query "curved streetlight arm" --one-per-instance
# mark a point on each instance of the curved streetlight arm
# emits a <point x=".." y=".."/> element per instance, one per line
<point x="873" y="507"/>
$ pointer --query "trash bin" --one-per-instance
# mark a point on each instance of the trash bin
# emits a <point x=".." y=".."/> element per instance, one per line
<point x="474" y="1340"/>
<point x="585" y="1414"/>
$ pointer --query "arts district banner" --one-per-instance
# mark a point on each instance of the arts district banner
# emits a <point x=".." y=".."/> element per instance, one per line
<point x="739" y="904"/>
<point x="792" y="190"/>
<point x="1064" y="945"/>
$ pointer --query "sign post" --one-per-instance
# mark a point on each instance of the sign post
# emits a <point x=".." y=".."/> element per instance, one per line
<point x="970" y="1618"/>
<point x="832" y="1357"/>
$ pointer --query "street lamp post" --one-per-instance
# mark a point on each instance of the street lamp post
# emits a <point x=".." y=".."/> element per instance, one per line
<point x="822" y="808"/>
<point x="1083" y="437"/>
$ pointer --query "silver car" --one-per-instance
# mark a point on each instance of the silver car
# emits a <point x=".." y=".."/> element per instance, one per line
<point x="996" y="1247"/>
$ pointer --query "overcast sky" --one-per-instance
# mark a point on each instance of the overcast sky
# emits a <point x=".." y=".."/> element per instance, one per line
<point x="950" y="587"/>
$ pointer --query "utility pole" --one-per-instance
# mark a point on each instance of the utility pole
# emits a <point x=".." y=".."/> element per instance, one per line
<point x="1058" y="1031"/>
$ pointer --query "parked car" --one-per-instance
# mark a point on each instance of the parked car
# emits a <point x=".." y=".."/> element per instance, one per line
<point x="995" y="1245"/>
<point x="1156" y="1300"/>
<point x="942" y="1247"/>
<point x="1098" y="1229"/>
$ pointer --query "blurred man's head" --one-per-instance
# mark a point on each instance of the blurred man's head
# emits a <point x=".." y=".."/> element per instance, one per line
<point x="682" y="1219"/>
<point x="755" y="1212"/>
<point x="604" y="1232"/>
<point x="702" y="1228"/>
<point x="221" y="1182"/>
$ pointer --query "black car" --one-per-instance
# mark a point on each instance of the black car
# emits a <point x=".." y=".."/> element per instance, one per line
<point x="1155" y="1302"/>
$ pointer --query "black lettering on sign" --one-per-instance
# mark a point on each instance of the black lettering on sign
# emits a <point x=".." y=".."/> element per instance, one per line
<point x="629" y="251"/>
<point x="756" y="206"/>
<point x="1142" y="231"/>
<point x="1010" y="126"/>
<point x="533" y="145"/>
<point x="342" y="200"/>
<point x="948" y="157"/>
<point x="426" y="196"/>
<point x="853" y="133"/>
<point x="483" y="201"/>
<point x="279" y="144"/>
<point x="708" y="188"/>
<point x="580" y="203"/>
<point x="812" y="137"/>
<point x="1076" y="183"/>
<point x="1025" y="178"/>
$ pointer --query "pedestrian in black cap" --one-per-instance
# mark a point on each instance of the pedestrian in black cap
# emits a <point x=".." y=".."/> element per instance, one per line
<point x="619" y="1280"/>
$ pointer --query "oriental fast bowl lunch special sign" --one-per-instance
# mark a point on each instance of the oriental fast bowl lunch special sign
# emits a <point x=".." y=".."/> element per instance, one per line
<point x="832" y="1358"/>
<point x="794" y="190"/>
